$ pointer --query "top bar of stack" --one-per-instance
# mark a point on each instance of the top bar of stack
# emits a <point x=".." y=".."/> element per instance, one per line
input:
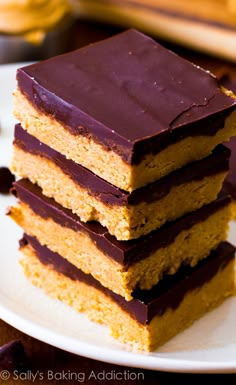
<point x="125" y="108"/>
<point x="123" y="132"/>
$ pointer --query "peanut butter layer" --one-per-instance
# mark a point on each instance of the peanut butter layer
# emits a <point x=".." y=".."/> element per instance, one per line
<point x="153" y="316"/>
<point x="121" y="266"/>
<point x="110" y="109"/>
<point x="127" y="221"/>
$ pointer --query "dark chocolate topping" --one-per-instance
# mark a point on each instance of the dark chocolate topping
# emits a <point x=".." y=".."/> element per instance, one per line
<point x="109" y="194"/>
<point x="128" y="93"/>
<point x="124" y="252"/>
<point x="6" y="180"/>
<point x="168" y="293"/>
<point x="13" y="357"/>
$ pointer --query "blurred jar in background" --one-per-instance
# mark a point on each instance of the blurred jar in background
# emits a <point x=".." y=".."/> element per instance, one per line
<point x="33" y="29"/>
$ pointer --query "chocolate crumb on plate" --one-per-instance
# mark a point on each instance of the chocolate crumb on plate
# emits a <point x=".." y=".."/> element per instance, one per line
<point x="13" y="357"/>
<point x="6" y="180"/>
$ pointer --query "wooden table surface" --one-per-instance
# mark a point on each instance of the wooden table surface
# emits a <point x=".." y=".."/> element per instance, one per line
<point x="44" y="357"/>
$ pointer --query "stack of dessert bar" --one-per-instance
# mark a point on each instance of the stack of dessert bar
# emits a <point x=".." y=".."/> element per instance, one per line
<point x="119" y="150"/>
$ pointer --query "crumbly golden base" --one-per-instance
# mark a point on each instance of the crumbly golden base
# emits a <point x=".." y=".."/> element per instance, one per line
<point x="78" y="248"/>
<point x="124" y="222"/>
<point x="109" y="165"/>
<point x="101" y="308"/>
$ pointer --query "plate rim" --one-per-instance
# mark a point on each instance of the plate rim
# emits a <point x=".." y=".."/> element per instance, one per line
<point x="128" y="359"/>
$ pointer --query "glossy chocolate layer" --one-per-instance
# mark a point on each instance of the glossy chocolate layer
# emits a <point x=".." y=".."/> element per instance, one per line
<point x="124" y="252"/>
<point x="109" y="194"/>
<point x="128" y="93"/>
<point x="168" y="293"/>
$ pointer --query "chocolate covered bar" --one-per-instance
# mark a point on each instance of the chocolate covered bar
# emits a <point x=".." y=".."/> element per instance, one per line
<point x="125" y="108"/>
<point x="153" y="316"/>
<point x="122" y="266"/>
<point x="125" y="215"/>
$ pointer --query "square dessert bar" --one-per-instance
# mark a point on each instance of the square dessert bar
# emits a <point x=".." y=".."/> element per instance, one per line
<point x="125" y="108"/>
<point x="125" y="215"/>
<point x="153" y="316"/>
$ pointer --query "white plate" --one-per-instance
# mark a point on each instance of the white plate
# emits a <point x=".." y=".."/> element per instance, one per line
<point x="208" y="346"/>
